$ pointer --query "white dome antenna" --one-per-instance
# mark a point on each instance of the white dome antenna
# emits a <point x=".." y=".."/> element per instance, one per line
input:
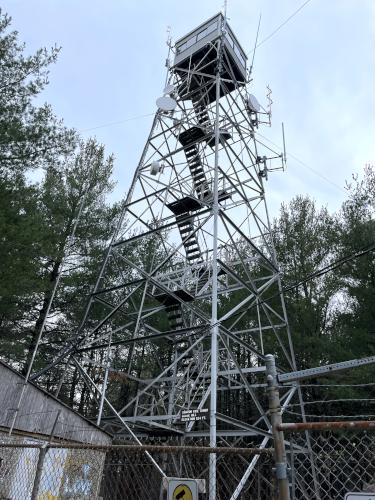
<point x="253" y="104"/>
<point x="166" y="103"/>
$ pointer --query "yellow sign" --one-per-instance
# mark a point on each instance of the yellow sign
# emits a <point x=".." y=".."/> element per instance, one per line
<point x="47" y="496"/>
<point x="182" y="492"/>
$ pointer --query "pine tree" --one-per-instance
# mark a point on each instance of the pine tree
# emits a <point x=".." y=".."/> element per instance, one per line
<point x="306" y="240"/>
<point x="77" y="188"/>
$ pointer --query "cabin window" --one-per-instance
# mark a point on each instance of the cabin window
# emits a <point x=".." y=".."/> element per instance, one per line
<point x="195" y="38"/>
<point x="239" y="55"/>
<point x="190" y="42"/>
<point x="202" y="34"/>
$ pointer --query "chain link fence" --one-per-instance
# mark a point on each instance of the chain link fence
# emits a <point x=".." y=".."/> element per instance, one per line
<point x="325" y="467"/>
<point x="134" y="473"/>
<point x="83" y="472"/>
<point x="336" y="463"/>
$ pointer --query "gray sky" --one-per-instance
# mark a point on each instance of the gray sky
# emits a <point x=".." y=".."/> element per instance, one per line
<point x="320" y="67"/>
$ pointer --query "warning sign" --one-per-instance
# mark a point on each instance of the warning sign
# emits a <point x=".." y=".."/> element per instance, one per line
<point x="182" y="492"/>
<point x="194" y="415"/>
<point x="183" y="488"/>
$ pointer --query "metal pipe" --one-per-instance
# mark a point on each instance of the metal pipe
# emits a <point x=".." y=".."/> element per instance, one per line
<point x="214" y="305"/>
<point x="38" y="473"/>
<point x="253" y="463"/>
<point x="321" y="371"/>
<point x="326" y="426"/>
<point x="105" y="381"/>
<point x="54" y="426"/>
<point x="134" y="448"/>
<point x="62" y="378"/>
<point x="278" y="436"/>
<point x="262" y="450"/>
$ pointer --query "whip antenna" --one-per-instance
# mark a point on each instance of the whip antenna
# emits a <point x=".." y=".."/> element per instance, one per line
<point x="255" y="46"/>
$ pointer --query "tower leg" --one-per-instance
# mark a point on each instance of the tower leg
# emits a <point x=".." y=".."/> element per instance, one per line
<point x="214" y="325"/>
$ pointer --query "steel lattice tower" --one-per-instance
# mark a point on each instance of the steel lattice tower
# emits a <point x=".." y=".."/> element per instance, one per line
<point x="189" y="294"/>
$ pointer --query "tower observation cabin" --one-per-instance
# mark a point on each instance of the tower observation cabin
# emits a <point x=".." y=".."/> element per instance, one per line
<point x="198" y="52"/>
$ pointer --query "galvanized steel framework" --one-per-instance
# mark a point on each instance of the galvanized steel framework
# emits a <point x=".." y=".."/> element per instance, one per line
<point x="191" y="270"/>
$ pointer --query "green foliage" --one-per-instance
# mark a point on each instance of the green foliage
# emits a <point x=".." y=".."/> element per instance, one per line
<point x="75" y="191"/>
<point x="37" y="219"/>
<point x="306" y="239"/>
<point x="29" y="135"/>
<point x="355" y="323"/>
<point x="21" y="228"/>
<point x="331" y="317"/>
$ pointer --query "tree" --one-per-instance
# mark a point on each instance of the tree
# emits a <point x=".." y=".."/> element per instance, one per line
<point x="29" y="135"/>
<point x="306" y="239"/>
<point x="21" y="230"/>
<point x="358" y="232"/>
<point x="77" y="188"/>
<point x="355" y="323"/>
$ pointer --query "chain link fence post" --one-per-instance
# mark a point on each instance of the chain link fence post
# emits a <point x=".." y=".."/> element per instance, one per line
<point x="38" y="473"/>
<point x="278" y="436"/>
<point x="292" y="470"/>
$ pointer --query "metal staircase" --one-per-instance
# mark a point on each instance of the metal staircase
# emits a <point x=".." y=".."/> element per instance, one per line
<point x="174" y="315"/>
<point x="200" y="110"/>
<point x="186" y="227"/>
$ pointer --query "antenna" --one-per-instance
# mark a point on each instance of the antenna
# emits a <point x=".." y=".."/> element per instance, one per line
<point x="225" y="7"/>
<point x="255" y="46"/>
<point x="270" y="101"/>
<point x="253" y="103"/>
<point x="169" y="37"/>
<point x="284" y="150"/>
<point x="166" y="103"/>
<point x="169" y="43"/>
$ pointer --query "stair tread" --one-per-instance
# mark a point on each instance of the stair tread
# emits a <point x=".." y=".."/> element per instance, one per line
<point x="183" y="206"/>
<point x="192" y="241"/>
<point x="169" y="300"/>
<point x="191" y="135"/>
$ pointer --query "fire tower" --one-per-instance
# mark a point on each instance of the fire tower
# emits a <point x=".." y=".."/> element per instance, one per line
<point x="188" y="299"/>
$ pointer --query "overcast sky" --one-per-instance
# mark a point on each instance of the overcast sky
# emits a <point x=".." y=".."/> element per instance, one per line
<point x="320" y="67"/>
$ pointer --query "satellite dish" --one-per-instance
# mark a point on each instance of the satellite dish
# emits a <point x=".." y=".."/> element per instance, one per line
<point x="253" y="103"/>
<point x="166" y="103"/>
<point x="169" y="89"/>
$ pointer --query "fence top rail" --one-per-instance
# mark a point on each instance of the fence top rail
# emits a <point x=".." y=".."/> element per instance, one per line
<point x="327" y="426"/>
<point x="144" y="448"/>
